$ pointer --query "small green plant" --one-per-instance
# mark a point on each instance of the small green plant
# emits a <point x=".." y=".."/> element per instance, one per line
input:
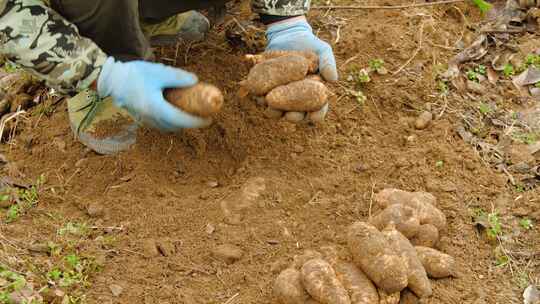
<point x="442" y="87"/>
<point x="377" y="65"/>
<point x="481" y="69"/>
<point x="520" y="188"/>
<point x="484" y="108"/>
<point x="359" y="97"/>
<point x="13" y="213"/>
<point x="490" y="221"/>
<point x="77" y="229"/>
<point x="472" y="75"/>
<point x="508" y="70"/>
<point x="495" y="227"/>
<point x="482" y="5"/>
<point x="525" y="223"/>
<point x="439" y="164"/>
<point x="527" y="138"/>
<point x="532" y="59"/>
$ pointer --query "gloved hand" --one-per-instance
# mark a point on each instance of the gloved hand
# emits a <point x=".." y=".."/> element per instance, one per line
<point x="296" y="34"/>
<point x="137" y="86"/>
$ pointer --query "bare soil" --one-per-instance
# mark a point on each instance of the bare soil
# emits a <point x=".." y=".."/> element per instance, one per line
<point x="319" y="179"/>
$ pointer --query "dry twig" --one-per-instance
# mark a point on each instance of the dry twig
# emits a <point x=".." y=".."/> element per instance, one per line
<point x="412" y="5"/>
<point x="420" y="42"/>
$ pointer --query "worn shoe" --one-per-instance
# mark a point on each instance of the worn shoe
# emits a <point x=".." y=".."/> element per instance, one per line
<point x="87" y="111"/>
<point x="190" y="26"/>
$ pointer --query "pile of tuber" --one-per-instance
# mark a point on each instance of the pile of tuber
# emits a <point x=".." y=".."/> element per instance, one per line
<point x="391" y="258"/>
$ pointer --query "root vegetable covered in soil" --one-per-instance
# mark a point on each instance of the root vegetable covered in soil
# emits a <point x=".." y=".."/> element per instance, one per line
<point x="427" y="236"/>
<point x="303" y="95"/>
<point x="372" y="252"/>
<point x="312" y="58"/>
<point x="400" y="216"/>
<point x="423" y="204"/>
<point x="437" y="264"/>
<point x="289" y="289"/>
<point x="272" y="73"/>
<point x="417" y="277"/>
<point x="202" y="99"/>
<point x="322" y="284"/>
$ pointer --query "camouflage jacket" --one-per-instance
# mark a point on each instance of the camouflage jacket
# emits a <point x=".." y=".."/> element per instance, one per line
<point x="41" y="41"/>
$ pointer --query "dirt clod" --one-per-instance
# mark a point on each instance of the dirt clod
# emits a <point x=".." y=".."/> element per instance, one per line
<point x="228" y="253"/>
<point x="95" y="209"/>
<point x="149" y="248"/>
<point x="166" y="247"/>
<point x="423" y="120"/>
<point x="116" y="290"/>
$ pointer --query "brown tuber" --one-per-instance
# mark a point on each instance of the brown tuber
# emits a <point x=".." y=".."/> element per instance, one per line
<point x="372" y="252"/>
<point x="423" y="204"/>
<point x="289" y="289"/>
<point x="400" y="216"/>
<point x="202" y="99"/>
<point x="360" y="288"/>
<point x="437" y="264"/>
<point x="418" y="279"/>
<point x="312" y="58"/>
<point x="427" y="236"/>
<point x="322" y="284"/>
<point x="272" y="73"/>
<point x="300" y="96"/>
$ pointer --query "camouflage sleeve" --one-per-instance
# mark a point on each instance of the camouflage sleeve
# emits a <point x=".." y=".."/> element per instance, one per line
<point x="41" y="41"/>
<point x="281" y="7"/>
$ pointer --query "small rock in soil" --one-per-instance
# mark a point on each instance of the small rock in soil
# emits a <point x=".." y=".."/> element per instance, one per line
<point x="298" y="149"/>
<point x="210" y="228"/>
<point x="149" y="248"/>
<point x="531" y="295"/>
<point x="475" y="87"/>
<point x="212" y="184"/>
<point x="166" y="248"/>
<point x="228" y="253"/>
<point x="95" y="209"/>
<point x="116" y="290"/>
<point x="423" y="120"/>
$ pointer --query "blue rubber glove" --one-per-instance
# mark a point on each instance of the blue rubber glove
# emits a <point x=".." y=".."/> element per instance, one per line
<point x="296" y="34"/>
<point x="137" y="86"/>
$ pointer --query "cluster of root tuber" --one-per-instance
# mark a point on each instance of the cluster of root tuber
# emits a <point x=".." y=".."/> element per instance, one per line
<point x="391" y="258"/>
<point x="284" y="81"/>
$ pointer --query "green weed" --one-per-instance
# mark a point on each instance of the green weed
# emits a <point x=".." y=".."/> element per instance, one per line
<point x="484" y="108"/>
<point x="482" y="5"/>
<point x="526" y="224"/>
<point x="508" y="70"/>
<point x="76" y="229"/>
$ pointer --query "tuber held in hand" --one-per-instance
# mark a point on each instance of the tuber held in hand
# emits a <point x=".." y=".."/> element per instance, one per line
<point x="201" y="99"/>
<point x="418" y="279"/>
<point x="272" y="73"/>
<point x="437" y="264"/>
<point x="301" y="96"/>
<point x="322" y="284"/>
<point x="311" y="57"/>
<point x="372" y="252"/>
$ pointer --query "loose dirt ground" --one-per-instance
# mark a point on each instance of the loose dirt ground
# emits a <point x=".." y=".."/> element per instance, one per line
<point x="319" y="178"/>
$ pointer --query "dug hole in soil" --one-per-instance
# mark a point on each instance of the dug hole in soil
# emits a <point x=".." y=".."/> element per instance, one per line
<point x="319" y="179"/>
